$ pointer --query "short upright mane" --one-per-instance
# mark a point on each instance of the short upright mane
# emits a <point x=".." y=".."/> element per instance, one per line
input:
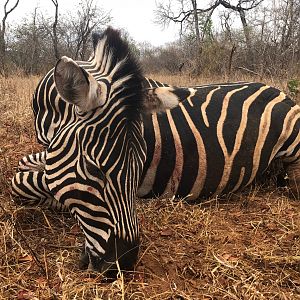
<point x="114" y="60"/>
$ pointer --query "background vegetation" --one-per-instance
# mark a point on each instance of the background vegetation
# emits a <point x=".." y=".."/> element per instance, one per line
<point x="261" y="37"/>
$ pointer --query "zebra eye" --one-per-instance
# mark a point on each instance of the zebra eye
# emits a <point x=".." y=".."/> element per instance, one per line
<point x="94" y="171"/>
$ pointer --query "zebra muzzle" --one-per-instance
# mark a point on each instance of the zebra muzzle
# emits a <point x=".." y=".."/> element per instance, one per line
<point x="120" y="256"/>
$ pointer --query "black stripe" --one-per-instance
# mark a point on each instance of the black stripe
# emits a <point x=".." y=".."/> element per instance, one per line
<point x="234" y="116"/>
<point x="149" y="136"/>
<point x="48" y="121"/>
<point x="152" y="83"/>
<point x="168" y="155"/>
<point x="190" y="152"/>
<point x="214" y="159"/>
<point x="181" y="93"/>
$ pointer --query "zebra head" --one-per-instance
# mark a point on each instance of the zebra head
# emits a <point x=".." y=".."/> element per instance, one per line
<point x="94" y="163"/>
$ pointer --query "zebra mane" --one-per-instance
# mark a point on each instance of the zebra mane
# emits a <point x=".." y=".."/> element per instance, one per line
<point x="114" y="61"/>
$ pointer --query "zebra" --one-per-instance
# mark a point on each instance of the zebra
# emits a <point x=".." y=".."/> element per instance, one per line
<point x="186" y="120"/>
<point x="96" y="181"/>
<point x="213" y="139"/>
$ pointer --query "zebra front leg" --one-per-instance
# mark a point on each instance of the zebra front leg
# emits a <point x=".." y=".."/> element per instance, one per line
<point x="30" y="188"/>
<point x="33" y="162"/>
<point x="293" y="171"/>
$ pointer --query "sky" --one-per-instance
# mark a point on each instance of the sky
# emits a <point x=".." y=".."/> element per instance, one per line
<point x="136" y="16"/>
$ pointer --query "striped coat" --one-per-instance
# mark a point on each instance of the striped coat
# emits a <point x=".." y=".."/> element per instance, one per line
<point x="215" y="139"/>
<point x="94" y="161"/>
<point x="218" y="139"/>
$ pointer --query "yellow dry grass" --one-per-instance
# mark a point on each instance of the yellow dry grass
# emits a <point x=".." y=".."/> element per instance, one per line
<point x="246" y="246"/>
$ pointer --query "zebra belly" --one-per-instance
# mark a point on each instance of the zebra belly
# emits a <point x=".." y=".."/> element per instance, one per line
<point x="191" y="166"/>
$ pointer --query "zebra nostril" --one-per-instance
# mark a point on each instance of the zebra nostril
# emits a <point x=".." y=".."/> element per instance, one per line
<point x="119" y="256"/>
<point x="97" y="264"/>
<point x="84" y="260"/>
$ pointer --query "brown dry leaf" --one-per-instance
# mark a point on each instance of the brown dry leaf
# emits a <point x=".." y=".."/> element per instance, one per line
<point x="166" y="232"/>
<point x="226" y="260"/>
<point x="89" y="279"/>
<point x="75" y="229"/>
<point x="139" y="274"/>
<point x="229" y="257"/>
<point x="271" y="226"/>
<point x="56" y="285"/>
<point x="24" y="295"/>
<point x="25" y="258"/>
<point x="70" y="240"/>
<point x="290" y="237"/>
<point x="142" y="220"/>
<point x="42" y="282"/>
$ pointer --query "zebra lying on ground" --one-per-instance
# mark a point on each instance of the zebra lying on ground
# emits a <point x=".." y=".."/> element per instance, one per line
<point x="216" y="140"/>
<point x="164" y="149"/>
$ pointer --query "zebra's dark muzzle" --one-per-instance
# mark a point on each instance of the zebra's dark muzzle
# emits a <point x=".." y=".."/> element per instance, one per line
<point x="120" y="256"/>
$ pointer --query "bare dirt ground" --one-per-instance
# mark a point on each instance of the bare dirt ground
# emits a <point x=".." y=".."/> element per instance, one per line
<point x="246" y="246"/>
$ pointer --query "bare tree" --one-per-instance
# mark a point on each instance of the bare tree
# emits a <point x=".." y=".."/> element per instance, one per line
<point x="241" y="8"/>
<point x="2" y="33"/>
<point x="54" y="30"/>
<point x="89" y="17"/>
<point x="226" y="24"/>
<point x="165" y="14"/>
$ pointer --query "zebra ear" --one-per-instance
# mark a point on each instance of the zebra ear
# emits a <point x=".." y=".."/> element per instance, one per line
<point x="77" y="86"/>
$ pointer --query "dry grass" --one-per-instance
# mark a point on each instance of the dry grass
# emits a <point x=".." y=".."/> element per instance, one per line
<point x="245" y="247"/>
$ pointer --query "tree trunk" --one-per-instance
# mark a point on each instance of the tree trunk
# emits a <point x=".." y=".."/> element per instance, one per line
<point x="2" y="36"/>
<point x="198" y="39"/>
<point x="196" y="21"/>
<point x="246" y="31"/>
<point x="3" y="46"/>
<point x="54" y="30"/>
